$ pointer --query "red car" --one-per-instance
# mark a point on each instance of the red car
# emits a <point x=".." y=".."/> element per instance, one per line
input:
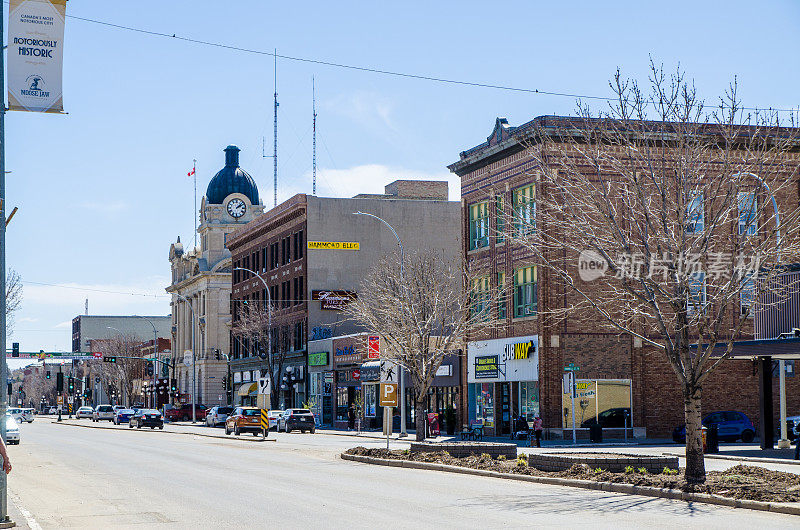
<point x="184" y="413"/>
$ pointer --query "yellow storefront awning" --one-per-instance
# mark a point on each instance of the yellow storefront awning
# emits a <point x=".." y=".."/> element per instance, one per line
<point x="247" y="388"/>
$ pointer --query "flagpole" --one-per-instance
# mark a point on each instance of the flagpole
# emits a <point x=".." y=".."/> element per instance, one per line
<point x="194" y="218"/>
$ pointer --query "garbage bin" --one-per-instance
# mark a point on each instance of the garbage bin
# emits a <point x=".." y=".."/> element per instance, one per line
<point x="704" y="434"/>
<point x="596" y="433"/>
<point x="712" y="439"/>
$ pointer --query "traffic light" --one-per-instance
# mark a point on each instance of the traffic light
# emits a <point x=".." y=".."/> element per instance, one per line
<point x="109" y="359"/>
<point x="150" y="368"/>
<point x="71" y="385"/>
<point x="59" y="382"/>
<point x="173" y="385"/>
<point x="216" y="354"/>
<point x="47" y="374"/>
<point x="15" y="349"/>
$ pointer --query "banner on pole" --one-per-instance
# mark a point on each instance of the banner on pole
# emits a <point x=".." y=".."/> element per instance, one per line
<point x="35" y="55"/>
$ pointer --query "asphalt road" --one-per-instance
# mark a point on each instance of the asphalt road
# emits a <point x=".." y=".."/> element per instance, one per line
<point x="66" y="476"/>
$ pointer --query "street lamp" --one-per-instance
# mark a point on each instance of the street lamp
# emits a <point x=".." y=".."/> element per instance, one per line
<point x="402" y="281"/>
<point x="269" y="323"/>
<point x="194" y="359"/>
<point x="783" y="443"/>
<point x="155" y="351"/>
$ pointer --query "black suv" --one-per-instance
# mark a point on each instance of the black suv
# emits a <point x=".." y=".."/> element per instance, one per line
<point x="297" y="419"/>
<point x="146" y="418"/>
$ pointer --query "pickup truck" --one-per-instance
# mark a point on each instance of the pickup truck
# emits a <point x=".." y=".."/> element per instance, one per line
<point x="184" y="413"/>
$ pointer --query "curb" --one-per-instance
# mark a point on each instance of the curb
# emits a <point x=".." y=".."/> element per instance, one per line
<point x="168" y="432"/>
<point x="756" y="459"/>
<point x="630" y="489"/>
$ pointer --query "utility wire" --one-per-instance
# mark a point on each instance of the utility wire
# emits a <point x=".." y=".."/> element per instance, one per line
<point x="365" y="68"/>
<point x="94" y="290"/>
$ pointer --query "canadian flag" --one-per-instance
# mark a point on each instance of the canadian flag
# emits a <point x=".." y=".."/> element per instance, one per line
<point x="190" y="173"/>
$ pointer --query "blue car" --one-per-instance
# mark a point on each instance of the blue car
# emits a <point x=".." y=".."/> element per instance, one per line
<point x="123" y="416"/>
<point x="731" y="425"/>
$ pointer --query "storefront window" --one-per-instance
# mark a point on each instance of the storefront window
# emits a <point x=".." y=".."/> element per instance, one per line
<point x="315" y="395"/>
<point x="484" y="403"/>
<point x="342" y="403"/>
<point x="529" y="399"/>
<point x="607" y="401"/>
<point x="370" y="401"/>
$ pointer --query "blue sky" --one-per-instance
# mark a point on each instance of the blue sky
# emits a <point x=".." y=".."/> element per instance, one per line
<point x="103" y="190"/>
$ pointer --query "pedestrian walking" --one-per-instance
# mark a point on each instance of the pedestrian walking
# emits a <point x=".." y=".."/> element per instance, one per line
<point x="537" y="429"/>
<point x="4" y="455"/>
<point x="351" y="418"/>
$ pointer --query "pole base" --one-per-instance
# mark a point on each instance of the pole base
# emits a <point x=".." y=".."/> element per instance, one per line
<point x="8" y="523"/>
<point x="783" y="443"/>
<point x="402" y="435"/>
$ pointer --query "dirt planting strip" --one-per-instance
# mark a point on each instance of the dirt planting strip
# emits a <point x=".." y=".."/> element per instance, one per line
<point x="630" y="489"/>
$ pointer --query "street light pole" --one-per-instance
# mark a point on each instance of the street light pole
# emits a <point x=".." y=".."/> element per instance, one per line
<point x="269" y="326"/>
<point x="194" y="358"/>
<point x="155" y="355"/>
<point x="783" y="443"/>
<point x="403" y="431"/>
<point x="4" y="519"/>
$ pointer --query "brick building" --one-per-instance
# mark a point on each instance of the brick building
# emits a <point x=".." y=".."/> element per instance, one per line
<point x="517" y="366"/>
<point x="312" y="252"/>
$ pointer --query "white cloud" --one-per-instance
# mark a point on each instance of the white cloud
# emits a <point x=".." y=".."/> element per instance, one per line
<point x="65" y="324"/>
<point x="370" y="109"/>
<point x="104" y="207"/>
<point x="369" y="178"/>
<point x="27" y="319"/>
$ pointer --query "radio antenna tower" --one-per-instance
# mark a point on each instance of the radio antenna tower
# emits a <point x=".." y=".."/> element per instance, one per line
<point x="314" y="138"/>
<point x="275" y="134"/>
<point x="274" y="155"/>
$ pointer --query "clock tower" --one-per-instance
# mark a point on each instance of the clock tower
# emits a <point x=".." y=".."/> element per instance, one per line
<point x="231" y="201"/>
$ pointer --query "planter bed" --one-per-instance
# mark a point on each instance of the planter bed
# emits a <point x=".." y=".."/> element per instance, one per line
<point x="613" y="462"/>
<point x="463" y="449"/>
<point x="739" y="483"/>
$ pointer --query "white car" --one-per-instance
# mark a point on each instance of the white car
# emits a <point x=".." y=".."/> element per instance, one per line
<point x="21" y="414"/>
<point x="217" y="415"/>
<point x="273" y="416"/>
<point x="103" y="412"/>
<point x="12" y="430"/>
<point x="84" y="412"/>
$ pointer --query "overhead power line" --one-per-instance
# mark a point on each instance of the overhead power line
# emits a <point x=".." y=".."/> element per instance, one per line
<point x="381" y="71"/>
<point x="76" y="288"/>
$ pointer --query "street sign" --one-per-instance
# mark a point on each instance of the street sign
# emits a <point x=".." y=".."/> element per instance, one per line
<point x="390" y="372"/>
<point x="70" y="400"/>
<point x="572" y="368"/>
<point x="388" y="395"/>
<point x="60" y="400"/>
<point x="263" y="385"/>
<point x="264" y="421"/>
<point x="187" y="357"/>
<point x="568" y="383"/>
<point x="97" y="355"/>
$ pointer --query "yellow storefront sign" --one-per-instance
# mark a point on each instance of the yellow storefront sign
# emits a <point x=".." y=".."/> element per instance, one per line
<point x="332" y="245"/>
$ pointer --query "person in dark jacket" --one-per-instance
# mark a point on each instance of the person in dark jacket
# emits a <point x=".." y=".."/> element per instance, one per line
<point x="351" y="418"/>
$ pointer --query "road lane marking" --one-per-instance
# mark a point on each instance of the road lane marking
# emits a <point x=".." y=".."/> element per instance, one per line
<point x="25" y="513"/>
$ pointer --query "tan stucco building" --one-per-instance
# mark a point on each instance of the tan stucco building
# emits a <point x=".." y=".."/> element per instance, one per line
<point x="201" y="283"/>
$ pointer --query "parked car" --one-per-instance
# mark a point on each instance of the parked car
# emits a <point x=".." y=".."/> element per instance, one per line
<point x="84" y="412"/>
<point x="52" y="410"/>
<point x="103" y="412"/>
<point x="297" y="419"/>
<point x="123" y="416"/>
<point x="118" y="407"/>
<point x="273" y="416"/>
<point x="21" y="415"/>
<point x="244" y="419"/>
<point x="12" y="430"/>
<point x="610" y="418"/>
<point x="792" y="424"/>
<point x="731" y="426"/>
<point x="217" y="415"/>
<point x="184" y="413"/>
<point x="146" y="418"/>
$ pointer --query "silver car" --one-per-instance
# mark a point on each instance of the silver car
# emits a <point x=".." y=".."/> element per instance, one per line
<point x="84" y="412"/>
<point x="12" y="430"/>
<point x="103" y="412"/>
<point x="217" y="415"/>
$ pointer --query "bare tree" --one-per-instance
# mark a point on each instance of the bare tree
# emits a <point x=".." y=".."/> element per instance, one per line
<point x="13" y="298"/>
<point x="252" y="331"/>
<point x="421" y="312"/>
<point x="129" y="366"/>
<point x="657" y="217"/>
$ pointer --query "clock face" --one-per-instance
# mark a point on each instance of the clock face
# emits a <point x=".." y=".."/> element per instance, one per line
<point x="236" y="208"/>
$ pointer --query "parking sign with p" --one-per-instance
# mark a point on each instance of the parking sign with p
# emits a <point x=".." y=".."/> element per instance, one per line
<point x="388" y="397"/>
